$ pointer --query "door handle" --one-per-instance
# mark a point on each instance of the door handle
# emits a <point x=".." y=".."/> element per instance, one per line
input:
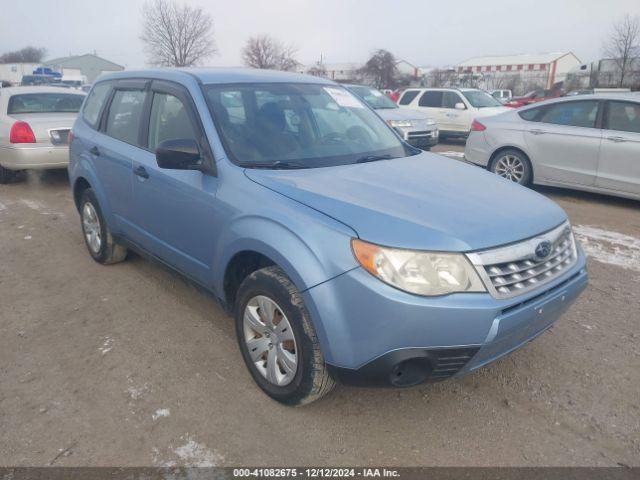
<point x="141" y="172"/>
<point x="537" y="131"/>
<point x="95" y="151"/>
<point x="617" y="139"/>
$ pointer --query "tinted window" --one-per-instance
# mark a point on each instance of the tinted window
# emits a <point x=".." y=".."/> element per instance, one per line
<point x="169" y="120"/>
<point x="574" y="114"/>
<point x="96" y="98"/>
<point x="624" y="116"/>
<point x="408" y="96"/>
<point x="531" y="114"/>
<point x="44" y="103"/>
<point x="125" y="110"/>
<point x="299" y="126"/>
<point x="431" y="99"/>
<point x="449" y="100"/>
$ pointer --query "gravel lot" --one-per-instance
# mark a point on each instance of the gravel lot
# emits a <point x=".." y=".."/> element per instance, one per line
<point x="131" y="365"/>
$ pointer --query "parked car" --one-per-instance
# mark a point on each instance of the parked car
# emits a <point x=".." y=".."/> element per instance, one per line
<point x="34" y="127"/>
<point x="582" y="143"/>
<point x="344" y="253"/>
<point x="453" y="109"/>
<point x="533" y="97"/>
<point x="503" y="96"/>
<point x="413" y="126"/>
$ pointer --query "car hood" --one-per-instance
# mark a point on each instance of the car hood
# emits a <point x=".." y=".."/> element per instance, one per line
<point x="401" y="114"/>
<point x="421" y="202"/>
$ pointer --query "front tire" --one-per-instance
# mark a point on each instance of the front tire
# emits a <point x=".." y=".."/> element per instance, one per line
<point x="277" y="339"/>
<point x="512" y="165"/>
<point x="97" y="236"/>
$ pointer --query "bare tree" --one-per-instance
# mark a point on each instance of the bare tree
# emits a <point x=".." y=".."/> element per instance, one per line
<point x="318" y="70"/>
<point x="264" y="51"/>
<point x="623" y="44"/>
<point x="381" y="69"/>
<point x="24" y="55"/>
<point x="176" y="35"/>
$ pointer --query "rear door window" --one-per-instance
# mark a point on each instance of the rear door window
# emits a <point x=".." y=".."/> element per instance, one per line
<point x="408" y="96"/>
<point x="531" y="115"/>
<point x="431" y="99"/>
<point x="93" y="105"/>
<point x="125" y="111"/>
<point x="624" y="117"/>
<point x="573" y="114"/>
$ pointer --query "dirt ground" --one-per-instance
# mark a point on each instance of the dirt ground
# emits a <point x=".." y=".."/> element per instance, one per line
<point x="129" y="365"/>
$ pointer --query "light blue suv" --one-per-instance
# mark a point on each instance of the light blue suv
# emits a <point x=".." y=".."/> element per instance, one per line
<point x="343" y="253"/>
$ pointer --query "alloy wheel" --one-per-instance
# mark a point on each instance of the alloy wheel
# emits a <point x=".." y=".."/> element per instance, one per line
<point x="510" y="167"/>
<point x="91" y="227"/>
<point x="270" y="341"/>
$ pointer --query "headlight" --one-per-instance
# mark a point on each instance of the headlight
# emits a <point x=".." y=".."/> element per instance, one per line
<point x="400" y="123"/>
<point x="418" y="272"/>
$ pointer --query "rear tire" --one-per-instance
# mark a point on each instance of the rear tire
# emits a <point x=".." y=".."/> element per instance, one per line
<point x="97" y="236"/>
<point x="512" y="164"/>
<point x="266" y="301"/>
<point x="6" y="175"/>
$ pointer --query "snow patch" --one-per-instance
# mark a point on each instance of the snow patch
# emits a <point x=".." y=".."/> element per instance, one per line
<point x="2" y="206"/>
<point x="32" y="204"/>
<point x="27" y="237"/>
<point x="610" y="247"/>
<point x="107" y="345"/>
<point x="194" y="454"/>
<point x="161" y="412"/>
<point x="137" y="392"/>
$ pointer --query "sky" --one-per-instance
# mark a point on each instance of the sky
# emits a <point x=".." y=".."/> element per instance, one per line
<point x="422" y="32"/>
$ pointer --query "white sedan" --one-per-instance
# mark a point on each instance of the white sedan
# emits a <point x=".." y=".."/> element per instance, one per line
<point x="34" y="127"/>
<point x="585" y="142"/>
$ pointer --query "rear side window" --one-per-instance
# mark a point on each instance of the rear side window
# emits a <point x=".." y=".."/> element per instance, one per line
<point x="624" y="117"/>
<point x="93" y="105"/>
<point x="531" y="115"/>
<point x="44" y="103"/>
<point x="573" y="114"/>
<point x="431" y="99"/>
<point x="125" y="112"/>
<point x="408" y="96"/>
<point x="169" y="121"/>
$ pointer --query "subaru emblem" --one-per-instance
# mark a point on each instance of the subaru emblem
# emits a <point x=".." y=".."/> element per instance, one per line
<point x="543" y="249"/>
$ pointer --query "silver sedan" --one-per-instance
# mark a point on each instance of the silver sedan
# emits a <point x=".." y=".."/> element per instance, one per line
<point x="586" y="143"/>
<point x="34" y="126"/>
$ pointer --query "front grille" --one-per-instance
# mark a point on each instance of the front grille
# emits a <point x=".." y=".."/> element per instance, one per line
<point x="59" y="136"/>
<point x="449" y="361"/>
<point x="516" y="269"/>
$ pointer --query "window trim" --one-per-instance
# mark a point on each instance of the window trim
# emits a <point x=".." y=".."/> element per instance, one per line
<point x="605" y="116"/>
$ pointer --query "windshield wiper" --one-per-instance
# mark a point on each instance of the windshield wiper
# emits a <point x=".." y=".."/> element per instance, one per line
<point x="279" y="165"/>
<point x="374" y="158"/>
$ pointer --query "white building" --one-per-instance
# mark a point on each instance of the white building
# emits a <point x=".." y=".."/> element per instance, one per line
<point x="13" y="72"/>
<point x="547" y="69"/>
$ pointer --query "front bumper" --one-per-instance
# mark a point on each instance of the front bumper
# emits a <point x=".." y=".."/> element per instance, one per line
<point x="388" y="337"/>
<point x="421" y="138"/>
<point x="33" y="156"/>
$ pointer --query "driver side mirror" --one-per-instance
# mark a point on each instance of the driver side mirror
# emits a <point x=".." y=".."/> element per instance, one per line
<point x="460" y="106"/>
<point x="179" y="154"/>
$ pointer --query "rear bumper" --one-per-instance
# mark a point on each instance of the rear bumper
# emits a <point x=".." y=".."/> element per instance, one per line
<point x="477" y="150"/>
<point x="28" y="156"/>
<point x="389" y="338"/>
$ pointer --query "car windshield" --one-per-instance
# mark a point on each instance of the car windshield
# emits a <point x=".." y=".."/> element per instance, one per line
<point x="44" y="103"/>
<point x="297" y="125"/>
<point x="479" y="99"/>
<point x="374" y="98"/>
